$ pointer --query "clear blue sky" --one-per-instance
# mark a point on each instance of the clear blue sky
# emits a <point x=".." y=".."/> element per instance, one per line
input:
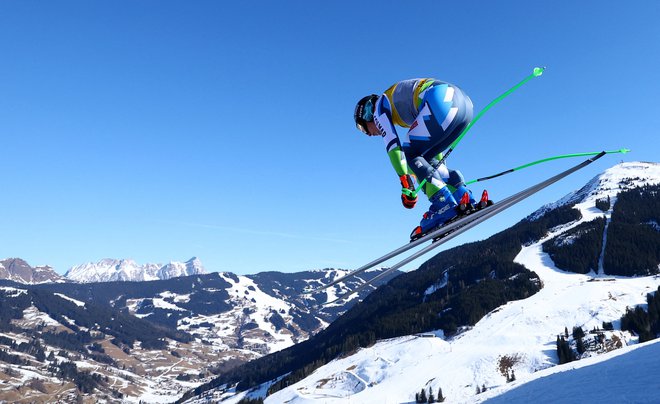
<point x="161" y="130"/>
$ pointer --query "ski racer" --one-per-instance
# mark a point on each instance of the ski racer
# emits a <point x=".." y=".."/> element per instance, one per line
<point x="434" y="114"/>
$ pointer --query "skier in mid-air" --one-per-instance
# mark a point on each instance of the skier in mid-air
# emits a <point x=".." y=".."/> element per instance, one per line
<point x="434" y="114"/>
<point x="437" y="116"/>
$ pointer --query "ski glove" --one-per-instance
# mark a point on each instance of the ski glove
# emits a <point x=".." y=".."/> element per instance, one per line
<point x="408" y="185"/>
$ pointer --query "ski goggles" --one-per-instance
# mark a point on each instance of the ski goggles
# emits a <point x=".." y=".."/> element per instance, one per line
<point x="363" y="114"/>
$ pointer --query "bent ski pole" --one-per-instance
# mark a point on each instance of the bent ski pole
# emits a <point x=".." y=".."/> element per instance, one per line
<point x="535" y="73"/>
<point x="563" y="156"/>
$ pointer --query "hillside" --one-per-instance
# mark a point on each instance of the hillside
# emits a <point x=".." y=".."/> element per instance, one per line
<point x="500" y="298"/>
<point x="526" y="330"/>
<point x="150" y="340"/>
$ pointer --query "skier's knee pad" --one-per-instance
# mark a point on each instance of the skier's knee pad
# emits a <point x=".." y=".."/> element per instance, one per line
<point x="424" y="170"/>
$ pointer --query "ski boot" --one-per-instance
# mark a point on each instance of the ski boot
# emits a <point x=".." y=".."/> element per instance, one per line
<point x="466" y="202"/>
<point x="443" y="209"/>
<point x="484" y="201"/>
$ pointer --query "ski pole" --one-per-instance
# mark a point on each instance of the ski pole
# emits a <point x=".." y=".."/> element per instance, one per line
<point x="535" y="73"/>
<point x="483" y="215"/>
<point x="563" y="156"/>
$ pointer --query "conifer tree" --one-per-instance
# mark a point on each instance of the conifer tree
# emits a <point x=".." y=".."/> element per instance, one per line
<point x="580" y="346"/>
<point x="441" y="398"/>
<point x="560" y="351"/>
<point x="431" y="396"/>
<point x="578" y="332"/>
<point x="564" y="352"/>
<point x="422" y="396"/>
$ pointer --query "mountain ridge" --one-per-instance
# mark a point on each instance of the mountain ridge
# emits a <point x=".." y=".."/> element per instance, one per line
<point x="18" y="270"/>
<point x="108" y="269"/>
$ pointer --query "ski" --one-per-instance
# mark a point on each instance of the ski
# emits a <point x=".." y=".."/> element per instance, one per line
<point x="433" y="234"/>
<point x="429" y="236"/>
<point x="451" y="230"/>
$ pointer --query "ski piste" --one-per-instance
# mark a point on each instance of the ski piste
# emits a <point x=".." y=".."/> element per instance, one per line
<point x="449" y="231"/>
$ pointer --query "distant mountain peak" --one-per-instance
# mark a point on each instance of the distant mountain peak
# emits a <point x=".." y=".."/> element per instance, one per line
<point x="18" y="270"/>
<point x="109" y="269"/>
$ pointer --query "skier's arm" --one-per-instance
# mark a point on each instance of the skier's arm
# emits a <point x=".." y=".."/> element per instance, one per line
<point x="383" y="120"/>
<point x="398" y="160"/>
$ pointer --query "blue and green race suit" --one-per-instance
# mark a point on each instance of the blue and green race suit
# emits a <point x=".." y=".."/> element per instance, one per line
<point x="434" y="114"/>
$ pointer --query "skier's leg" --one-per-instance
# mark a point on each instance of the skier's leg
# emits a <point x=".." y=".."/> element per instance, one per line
<point x="435" y="180"/>
<point x="443" y="205"/>
<point x="445" y="112"/>
<point x="457" y="181"/>
<point x="456" y="184"/>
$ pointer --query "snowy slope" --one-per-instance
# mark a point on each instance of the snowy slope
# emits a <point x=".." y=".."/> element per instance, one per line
<point x="392" y="371"/>
<point x="255" y="314"/>
<point x="107" y="270"/>
<point x="629" y="375"/>
<point x="246" y="325"/>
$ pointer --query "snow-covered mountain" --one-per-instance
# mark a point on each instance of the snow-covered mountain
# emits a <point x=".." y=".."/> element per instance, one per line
<point x="108" y="270"/>
<point x="608" y="185"/>
<point x="516" y="342"/>
<point x="17" y="270"/>
<point x="155" y="340"/>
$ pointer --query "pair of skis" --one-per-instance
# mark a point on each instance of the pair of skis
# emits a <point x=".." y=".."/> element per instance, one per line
<point x="448" y="232"/>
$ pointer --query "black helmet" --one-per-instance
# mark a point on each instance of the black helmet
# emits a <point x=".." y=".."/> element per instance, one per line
<point x="364" y="112"/>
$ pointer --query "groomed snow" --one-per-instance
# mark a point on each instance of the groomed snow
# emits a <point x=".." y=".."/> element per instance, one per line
<point x="629" y="375"/>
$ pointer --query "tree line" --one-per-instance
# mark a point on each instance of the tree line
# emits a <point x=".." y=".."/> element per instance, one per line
<point x="633" y="240"/>
<point x="578" y="250"/>
<point x="644" y="323"/>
